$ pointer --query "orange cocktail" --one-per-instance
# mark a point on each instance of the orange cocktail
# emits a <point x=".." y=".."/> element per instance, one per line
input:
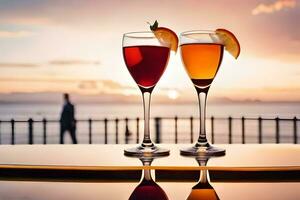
<point x="201" y="55"/>
<point x="202" y="62"/>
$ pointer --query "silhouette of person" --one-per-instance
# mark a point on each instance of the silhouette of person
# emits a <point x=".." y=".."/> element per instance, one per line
<point x="67" y="120"/>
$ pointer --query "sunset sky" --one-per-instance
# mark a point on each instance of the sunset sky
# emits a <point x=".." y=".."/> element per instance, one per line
<point x="75" y="46"/>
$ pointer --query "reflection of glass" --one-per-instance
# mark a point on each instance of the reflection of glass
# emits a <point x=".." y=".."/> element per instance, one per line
<point x="201" y="54"/>
<point x="146" y="60"/>
<point x="147" y="188"/>
<point x="203" y="189"/>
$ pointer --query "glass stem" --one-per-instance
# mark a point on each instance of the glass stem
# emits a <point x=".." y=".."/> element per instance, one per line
<point x="146" y="103"/>
<point x="203" y="172"/>
<point x="203" y="176"/>
<point x="202" y="96"/>
<point x="147" y="172"/>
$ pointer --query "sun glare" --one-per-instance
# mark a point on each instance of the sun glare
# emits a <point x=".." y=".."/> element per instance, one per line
<point x="173" y="94"/>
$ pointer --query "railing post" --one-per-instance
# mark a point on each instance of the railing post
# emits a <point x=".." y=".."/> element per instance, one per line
<point x="259" y="130"/>
<point x="117" y="130"/>
<point x="0" y="132"/>
<point x="30" y="131"/>
<point x="176" y="131"/>
<point x="90" y="131"/>
<point x="75" y="122"/>
<point x="12" y="131"/>
<point x="229" y="129"/>
<point x="137" y="130"/>
<point x="157" y="129"/>
<point x="212" y="119"/>
<point x="295" y="130"/>
<point x="192" y="129"/>
<point x="105" y="131"/>
<point x="44" y="131"/>
<point x="127" y="132"/>
<point x="277" y="130"/>
<point x="243" y="130"/>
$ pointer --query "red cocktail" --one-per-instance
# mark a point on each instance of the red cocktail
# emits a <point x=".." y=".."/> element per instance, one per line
<point x="146" y="58"/>
<point x="146" y="63"/>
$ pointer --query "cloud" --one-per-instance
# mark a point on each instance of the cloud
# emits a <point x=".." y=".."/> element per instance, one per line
<point x="34" y="21"/>
<point x="53" y="62"/>
<point x="29" y="65"/>
<point x="15" y="34"/>
<point x="282" y="89"/>
<point x="111" y="85"/>
<point x="273" y="7"/>
<point x="37" y="80"/>
<point x="105" y="87"/>
<point x="87" y="85"/>
<point x="84" y="86"/>
<point x="74" y="62"/>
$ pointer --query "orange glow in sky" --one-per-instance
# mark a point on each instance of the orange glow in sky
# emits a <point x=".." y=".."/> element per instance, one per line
<point x="60" y="46"/>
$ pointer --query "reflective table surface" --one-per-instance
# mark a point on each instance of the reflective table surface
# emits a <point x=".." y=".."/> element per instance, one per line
<point x="112" y="157"/>
<point x="249" y="171"/>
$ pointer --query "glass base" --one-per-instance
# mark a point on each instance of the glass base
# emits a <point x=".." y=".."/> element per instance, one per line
<point x="146" y="151"/>
<point x="202" y="150"/>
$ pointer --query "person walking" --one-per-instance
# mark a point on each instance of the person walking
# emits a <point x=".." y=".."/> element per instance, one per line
<point x="67" y="120"/>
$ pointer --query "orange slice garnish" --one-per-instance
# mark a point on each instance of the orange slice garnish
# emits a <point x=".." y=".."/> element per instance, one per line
<point x="168" y="37"/>
<point x="230" y="42"/>
<point x="165" y="36"/>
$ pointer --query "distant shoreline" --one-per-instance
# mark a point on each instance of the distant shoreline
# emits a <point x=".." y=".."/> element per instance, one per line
<point x="153" y="103"/>
<point x="44" y="98"/>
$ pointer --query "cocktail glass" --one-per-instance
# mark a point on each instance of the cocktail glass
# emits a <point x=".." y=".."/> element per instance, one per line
<point x="146" y="59"/>
<point x="201" y="54"/>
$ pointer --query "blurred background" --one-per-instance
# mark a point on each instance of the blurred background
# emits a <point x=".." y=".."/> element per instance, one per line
<point x="48" y="48"/>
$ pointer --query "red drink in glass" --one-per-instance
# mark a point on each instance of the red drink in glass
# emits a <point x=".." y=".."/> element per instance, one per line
<point x="148" y="190"/>
<point x="146" y="63"/>
<point x="146" y="59"/>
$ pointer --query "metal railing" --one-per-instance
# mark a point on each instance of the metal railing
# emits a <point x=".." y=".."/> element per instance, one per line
<point x="111" y="128"/>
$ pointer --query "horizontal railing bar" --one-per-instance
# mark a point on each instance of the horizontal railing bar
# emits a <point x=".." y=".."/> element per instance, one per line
<point x="164" y="118"/>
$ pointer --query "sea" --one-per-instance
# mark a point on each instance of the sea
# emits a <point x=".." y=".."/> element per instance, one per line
<point x="94" y="111"/>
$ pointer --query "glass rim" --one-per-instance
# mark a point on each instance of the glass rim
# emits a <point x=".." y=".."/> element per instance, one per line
<point x="197" y="32"/>
<point x="140" y="35"/>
